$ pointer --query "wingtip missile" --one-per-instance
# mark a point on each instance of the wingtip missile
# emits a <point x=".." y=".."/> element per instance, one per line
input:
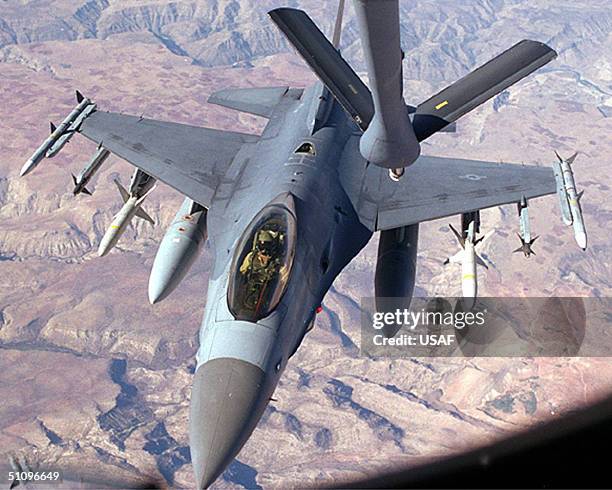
<point x="28" y="166"/>
<point x="59" y="136"/>
<point x="568" y="194"/>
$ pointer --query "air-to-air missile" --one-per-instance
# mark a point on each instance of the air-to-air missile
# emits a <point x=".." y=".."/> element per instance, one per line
<point x="140" y="187"/>
<point x="525" y="235"/>
<point x="89" y="171"/>
<point x="178" y="250"/>
<point x="569" y="198"/>
<point x="61" y="134"/>
<point x="468" y="258"/>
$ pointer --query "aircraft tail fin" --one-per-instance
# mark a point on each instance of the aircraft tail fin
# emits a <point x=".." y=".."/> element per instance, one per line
<point x="327" y="63"/>
<point x="479" y="86"/>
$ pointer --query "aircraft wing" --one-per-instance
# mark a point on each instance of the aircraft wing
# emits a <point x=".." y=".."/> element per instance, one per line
<point x="435" y="187"/>
<point x="191" y="159"/>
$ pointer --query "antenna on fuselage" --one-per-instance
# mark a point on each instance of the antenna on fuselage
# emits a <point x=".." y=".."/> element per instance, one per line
<point x="338" y="26"/>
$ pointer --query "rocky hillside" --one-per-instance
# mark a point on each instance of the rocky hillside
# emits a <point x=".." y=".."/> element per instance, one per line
<point x="442" y="40"/>
<point x="101" y="380"/>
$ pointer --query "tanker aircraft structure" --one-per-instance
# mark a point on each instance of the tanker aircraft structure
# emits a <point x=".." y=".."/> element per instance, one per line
<point x="286" y="210"/>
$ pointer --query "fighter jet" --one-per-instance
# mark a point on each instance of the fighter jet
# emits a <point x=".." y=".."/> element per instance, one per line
<point x="288" y="209"/>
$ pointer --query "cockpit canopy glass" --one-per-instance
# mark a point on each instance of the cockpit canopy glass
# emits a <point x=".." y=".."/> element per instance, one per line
<point x="262" y="263"/>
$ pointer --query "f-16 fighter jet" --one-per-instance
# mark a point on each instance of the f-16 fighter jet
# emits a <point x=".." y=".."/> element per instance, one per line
<point x="286" y="210"/>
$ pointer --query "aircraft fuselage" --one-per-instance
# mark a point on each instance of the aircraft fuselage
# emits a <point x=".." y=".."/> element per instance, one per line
<point x="240" y="361"/>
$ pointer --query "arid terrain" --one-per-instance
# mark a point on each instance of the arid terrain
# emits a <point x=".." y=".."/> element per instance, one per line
<point x="96" y="382"/>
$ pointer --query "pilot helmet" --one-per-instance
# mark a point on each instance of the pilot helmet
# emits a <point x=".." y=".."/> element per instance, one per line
<point x="265" y="240"/>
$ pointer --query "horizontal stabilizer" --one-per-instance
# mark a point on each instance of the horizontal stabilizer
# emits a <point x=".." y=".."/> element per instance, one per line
<point x="479" y="86"/>
<point x="257" y="101"/>
<point x="327" y="63"/>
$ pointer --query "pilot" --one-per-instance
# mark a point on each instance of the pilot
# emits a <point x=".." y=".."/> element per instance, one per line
<point x="263" y="260"/>
<point x="261" y="264"/>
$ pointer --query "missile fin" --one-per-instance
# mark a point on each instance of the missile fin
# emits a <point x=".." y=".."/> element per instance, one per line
<point x="480" y="261"/>
<point x="125" y="195"/>
<point x="145" y="195"/>
<point x="520" y="249"/>
<point x="455" y="259"/>
<point x="52" y="126"/>
<point x="74" y="179"/>
<point x="142" y="214"/>
<point x="86" y="191"/>
<point x="458" y="235"/>
<point x="579" y="196"/>
<point x="79" y="97"/>
<point x="571" y="159"/>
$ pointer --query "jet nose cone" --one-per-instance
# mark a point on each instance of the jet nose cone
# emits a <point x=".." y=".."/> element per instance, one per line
<point x="227" y="401"/>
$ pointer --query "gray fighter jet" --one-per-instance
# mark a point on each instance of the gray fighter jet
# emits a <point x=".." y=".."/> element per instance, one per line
<point x="286" y="210"/>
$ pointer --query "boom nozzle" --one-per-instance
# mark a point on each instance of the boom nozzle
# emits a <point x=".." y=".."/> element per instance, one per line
<point x="389" y="140"/>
